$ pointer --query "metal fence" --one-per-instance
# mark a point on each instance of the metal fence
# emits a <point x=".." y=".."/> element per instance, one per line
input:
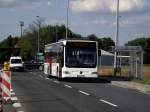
<point x="129" y="62"/>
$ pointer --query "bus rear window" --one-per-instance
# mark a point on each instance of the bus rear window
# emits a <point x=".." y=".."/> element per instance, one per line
<point x="16" y="61"/>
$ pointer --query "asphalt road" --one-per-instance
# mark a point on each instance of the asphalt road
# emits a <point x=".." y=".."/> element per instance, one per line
<point x="34" y="92"/>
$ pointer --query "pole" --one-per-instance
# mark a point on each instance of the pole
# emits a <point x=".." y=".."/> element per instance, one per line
<point x="56" y="33"/>
<point x="67" y="19"/>
<point x="21" y="26"/>
<point x="21" y="31"/>
<point x="38" y="50"/>
<point x="38" y="42"/>
<point x="116" y="38"/>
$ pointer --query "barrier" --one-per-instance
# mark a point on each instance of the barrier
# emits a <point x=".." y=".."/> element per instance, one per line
<point x="5" y="80"/>
<point x="1" y="101"/>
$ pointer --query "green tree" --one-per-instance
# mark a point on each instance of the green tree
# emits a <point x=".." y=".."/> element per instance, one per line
<point x="27" y="44"/>
<point x="107" y="43"/>
<point x="9" y="42"/>
<point x="92" y="37"/>
<point x="145" y="43"/>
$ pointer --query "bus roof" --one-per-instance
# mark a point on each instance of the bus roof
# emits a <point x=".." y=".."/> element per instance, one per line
<point x="69" y="40"/>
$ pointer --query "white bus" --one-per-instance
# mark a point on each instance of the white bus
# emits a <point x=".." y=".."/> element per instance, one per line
<point x="71" y="59"/>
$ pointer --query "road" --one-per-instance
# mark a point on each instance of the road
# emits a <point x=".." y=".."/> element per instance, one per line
<point x="32" y="91"/>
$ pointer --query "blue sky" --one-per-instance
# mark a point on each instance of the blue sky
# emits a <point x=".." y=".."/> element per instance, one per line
<point x="85" y="16"/>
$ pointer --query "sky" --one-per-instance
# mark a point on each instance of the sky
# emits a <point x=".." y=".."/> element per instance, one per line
<point x="85" y="17"/>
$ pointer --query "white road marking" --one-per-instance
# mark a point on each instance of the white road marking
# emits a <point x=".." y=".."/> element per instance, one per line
<point x="17" y="105"/>
<point x="41" y="76"/>
<point x="20" y="111"/>
<point x="12" y="93"/>
<point x="67" y="86"/>
<point x="109" y="103"/>
<point x="48" y="79"/>
<point x="11" y="90"/>
<point x="14" y="98"/>
<point x="84" y="93"/>
<point x="56" y="82"/>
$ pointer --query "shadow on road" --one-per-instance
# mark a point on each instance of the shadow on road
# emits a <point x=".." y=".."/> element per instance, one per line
<point x="115" y="78"/>
<point x="101" y="79"/>
<point x="86" y="80"/>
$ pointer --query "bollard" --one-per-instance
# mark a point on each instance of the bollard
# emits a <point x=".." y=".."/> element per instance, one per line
<point x="6" y="66"/>
<point x="6" y="85"/>
<point x="1" y="99"/>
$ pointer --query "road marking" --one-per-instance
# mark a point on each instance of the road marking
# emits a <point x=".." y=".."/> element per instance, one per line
<point x="20" y="111"/>
<point x="56" y="82"/>
<point x="41" y="76"/>
<point x="67" y="86"/>
<point x="109" y="103"/>
<point x="12" y="93"/>
<point x="14" y="98"/>
<point x="48" y="79"/>
<point x="17" y="105"/>
<point x="84" y="93"/>
<point x="11" y="90"/>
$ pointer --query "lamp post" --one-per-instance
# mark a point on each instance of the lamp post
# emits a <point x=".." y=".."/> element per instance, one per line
<point x="38" y="50"/>
<point x="116" y="37"/>
<point x="21" y="25"/>
<point x="56" y="30"/>
<point x="39" y="22"/>
<point x="67" y="19"/>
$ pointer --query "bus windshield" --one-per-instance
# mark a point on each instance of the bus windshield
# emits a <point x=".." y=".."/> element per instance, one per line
<point x="81" y="57"/>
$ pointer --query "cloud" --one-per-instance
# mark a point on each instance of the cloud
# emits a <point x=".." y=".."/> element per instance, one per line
<point x="106" y="5"/>
<point x="136" y="20"/>
<point x="97" y="22"/>
<point x="24" y="3"/>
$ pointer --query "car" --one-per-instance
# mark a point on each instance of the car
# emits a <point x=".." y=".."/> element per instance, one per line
<point x="16" y="63"/>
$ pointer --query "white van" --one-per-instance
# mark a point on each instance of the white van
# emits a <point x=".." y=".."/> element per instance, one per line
<point x="16" y="63"/>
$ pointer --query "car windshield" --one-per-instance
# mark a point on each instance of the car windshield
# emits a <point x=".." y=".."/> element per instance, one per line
<point x="16" y="61"/>
<point x="81" y="57"/>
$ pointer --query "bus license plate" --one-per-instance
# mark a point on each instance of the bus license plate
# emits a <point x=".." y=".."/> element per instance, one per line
<point x="80" y="75"/>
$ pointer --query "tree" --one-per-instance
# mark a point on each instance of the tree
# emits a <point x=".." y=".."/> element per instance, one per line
<point x="28" y="46"/>
<point x="92" y="37"/>
<point x="107" y="43"/>
<point x="145" y="43"/>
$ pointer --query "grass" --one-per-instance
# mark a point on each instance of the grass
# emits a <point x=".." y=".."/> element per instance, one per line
<point x="108" y="71"/>
<point x="143" y="81"/>
<point x="146" y="79"/>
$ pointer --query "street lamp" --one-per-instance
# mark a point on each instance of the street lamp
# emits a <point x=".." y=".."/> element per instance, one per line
<point x="116" y="38"/>
<point x="56" y="31"/>
<point x="67" y="19"/>
<point x="39" y="22"/>
<point x="21" y="25"/>
<point x="38" y="50"/>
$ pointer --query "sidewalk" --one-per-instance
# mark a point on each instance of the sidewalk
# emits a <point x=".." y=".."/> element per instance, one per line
<point x="132" y="85"/>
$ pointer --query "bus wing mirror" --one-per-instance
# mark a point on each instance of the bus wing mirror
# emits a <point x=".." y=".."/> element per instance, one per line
<point x="63" y="45"/>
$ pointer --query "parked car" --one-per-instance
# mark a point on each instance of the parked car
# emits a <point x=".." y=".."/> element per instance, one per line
<point x="16" y="63"/>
